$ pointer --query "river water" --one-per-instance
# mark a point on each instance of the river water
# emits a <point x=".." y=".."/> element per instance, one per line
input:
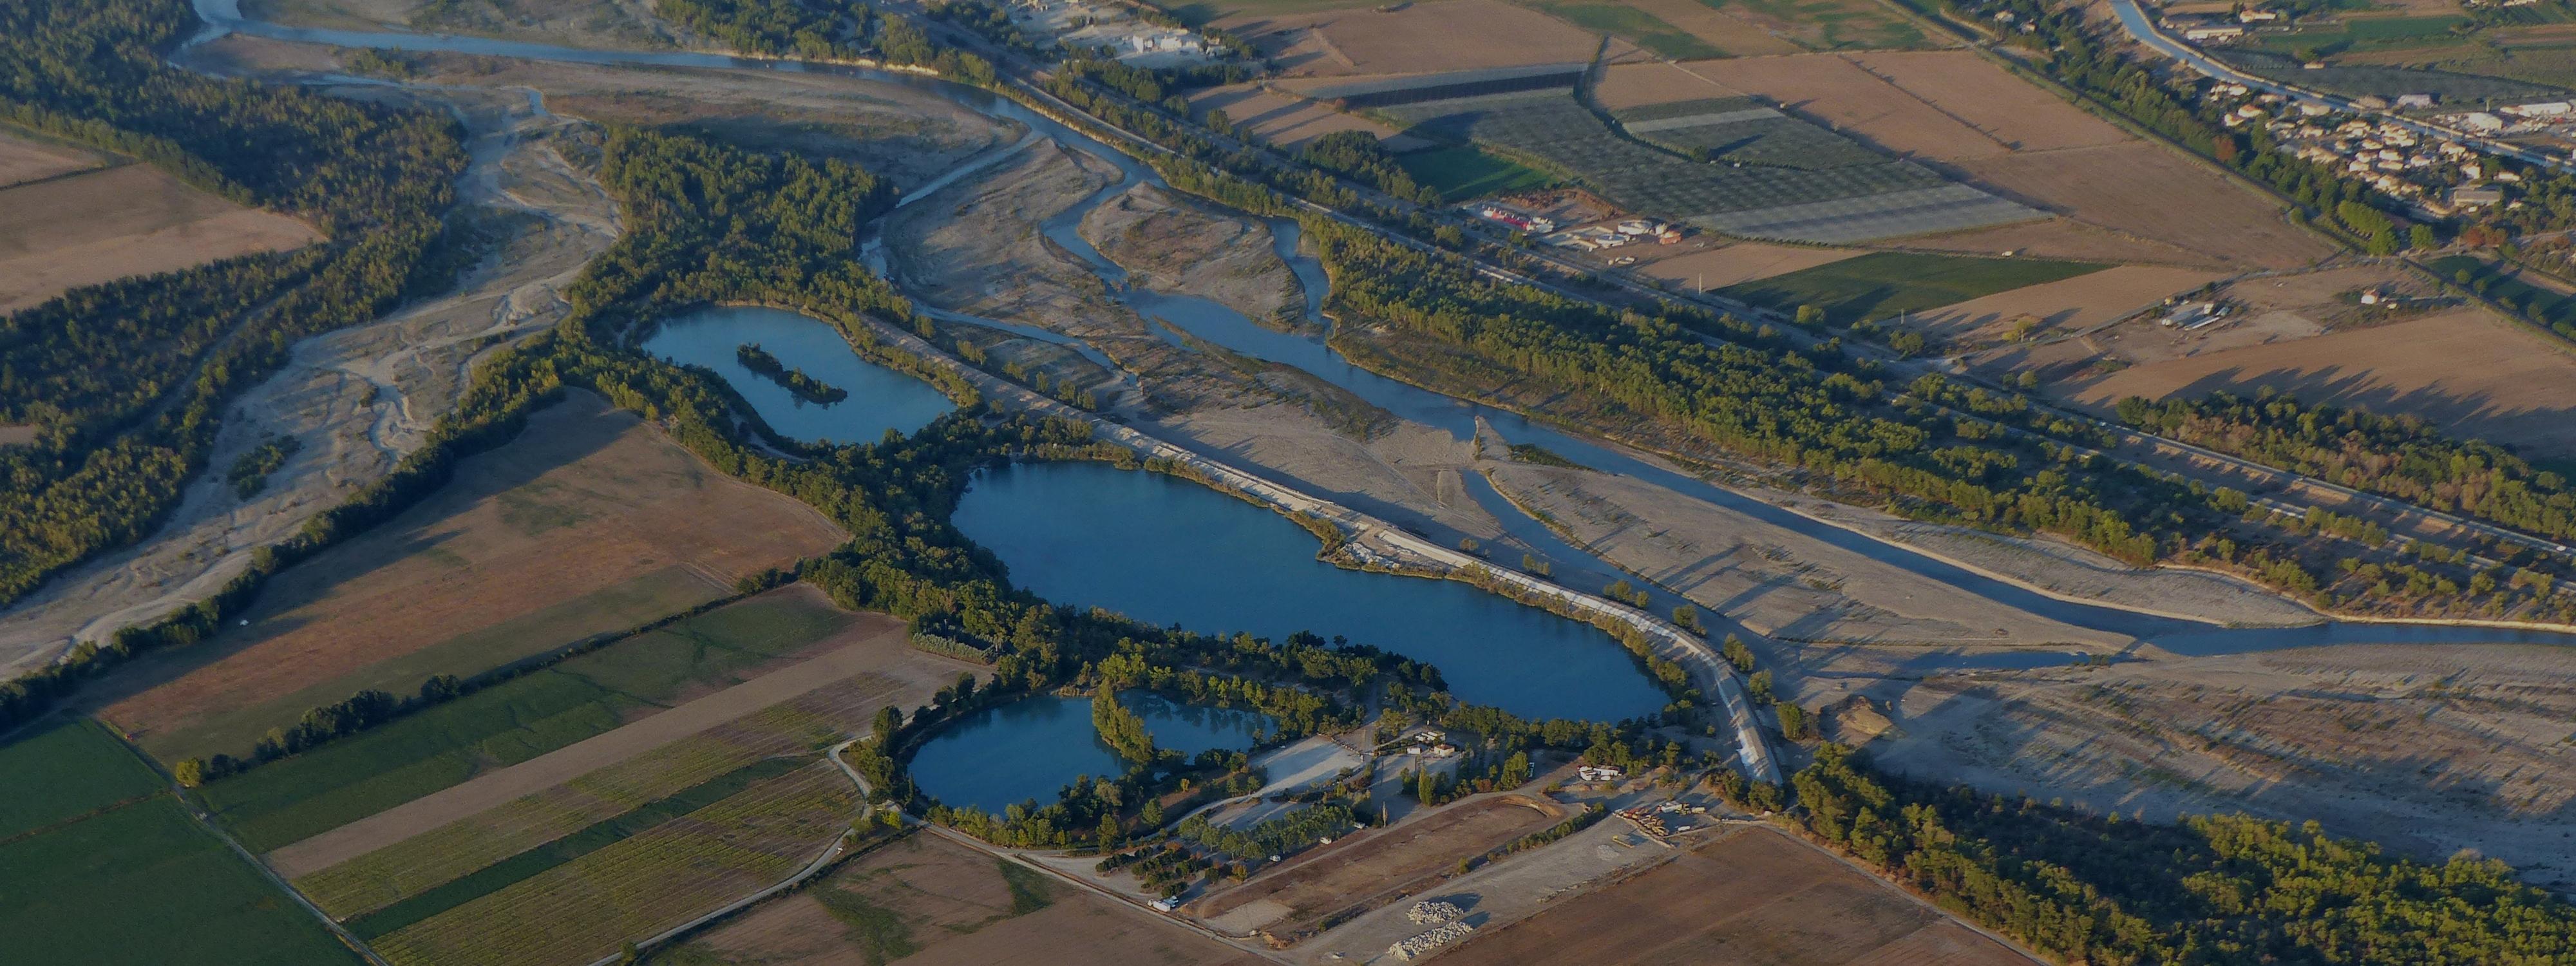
<point x="1028" y="750"/>
<point x="1219" y="325"/>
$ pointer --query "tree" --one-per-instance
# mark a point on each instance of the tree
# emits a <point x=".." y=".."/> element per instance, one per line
<point x="1793" y="721"/>
<point x="1737" y="653"/>
<point x="1108" y="834"/>
<point x="1908" y="343"/>
<point x="887" y="722"/>
<point x="2422" y="239"/>
<point x="1810" y="316"/>
<point x="1687" y="617"/>
<point x="190" y="773"/>
<point x="1760" y="683"/>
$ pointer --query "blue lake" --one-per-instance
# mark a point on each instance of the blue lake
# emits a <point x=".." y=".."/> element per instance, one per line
<point x="880" y="399"/>
<point x="1169" y="551"/>
<point x="1033" y="747"/>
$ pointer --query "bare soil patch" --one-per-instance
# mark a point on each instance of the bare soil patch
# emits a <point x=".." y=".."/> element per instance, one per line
<point x="1756" y="897"/>
<point x="1774" y="581"/>
<point x="1980" y="94"/>
<point x="1419" y="38"/>
<point x="1842" y="94"/>
<point x="26" y="159"/>
<point x="577" y="23"/>
<point x="86" y="229"/>
<point x="2467" y="370"/>
<point x="925" y="900"/>
<point x="587" y="501"/>
<point x="2426" y="749"/>
<point x="1286" y="122"/>
<point x="1717" y="263"/>
<point x="1171" y="244"/>
<point x="872" y="653"/>
<point x="1370" y="867"/>
<point x="17" y="435"/>
<point x="1636" y="85"/>
<point x="2063" y="238"/>
<point x="2147" y="190"/>
<point x="2057" y="307"/>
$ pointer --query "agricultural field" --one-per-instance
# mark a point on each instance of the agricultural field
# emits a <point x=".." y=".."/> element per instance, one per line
<point x="2056" y="308"/>
<point x="1753" y="897"/>
<point x="25" y="159"/>
<point x="520" y="719"/>
<point x="1354" y="39"/>
<point x="84" y="229"/>
<point x="422" y="845"/>
<point x="1828" y="24"/>
<point x="1703" y="264"/>
<point x="926" y="900"/>
<point x="583" y="909"/>
<point x="1729" y="34"/>
<point x="1742" y="130"/>
<point x="100" y="865"/>
<point x="1634" y="24"/>
<point x="1281" y="120"/>
<point x="1463" y="172"/>
<point x="588" y="524"/>
<point x="1882" y="285"/>
<point x="2467" y="370"/>
<point x="2116" y="198"/>
<point x="64" y="770"/>
<point x="1369" y="867"/>
<point x="2390" y="74"/>
<point x="1847" y="203"/>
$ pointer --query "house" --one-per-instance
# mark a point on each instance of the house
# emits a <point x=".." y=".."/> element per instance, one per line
<point x="2213" y="32"/>
<point x="2414" y="100"/>
<point x="2475" y="196"/>
<point x="2541" y="109"/>
<point x="2258" y="16"/>
<point x="2481" y="122"/>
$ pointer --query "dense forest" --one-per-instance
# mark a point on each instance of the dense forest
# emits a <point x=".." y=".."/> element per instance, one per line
<point x="2399" y="456"/>
<point x="774" y="28"/>
<point x="127" y="381"/>
<point x="2207" y="890"/>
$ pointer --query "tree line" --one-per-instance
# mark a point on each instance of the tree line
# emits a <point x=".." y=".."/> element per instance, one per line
<point x="2206" y="890"/>
<point x="2403" y="456"/>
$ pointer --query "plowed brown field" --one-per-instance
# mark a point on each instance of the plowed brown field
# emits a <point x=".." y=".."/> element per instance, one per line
<point x="590" y="522"/>
<point x="64" y="233"/>
<point x="1753" y="898"/>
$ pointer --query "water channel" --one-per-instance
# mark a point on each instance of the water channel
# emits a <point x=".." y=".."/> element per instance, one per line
<point x="1030" y="748"/>
<point x="1218" y="325"/>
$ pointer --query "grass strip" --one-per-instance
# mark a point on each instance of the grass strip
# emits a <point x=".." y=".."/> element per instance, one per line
<point x="600" y="835"/>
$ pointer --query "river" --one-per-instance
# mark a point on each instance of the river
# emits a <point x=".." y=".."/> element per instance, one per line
<point x="1218" y="325"/>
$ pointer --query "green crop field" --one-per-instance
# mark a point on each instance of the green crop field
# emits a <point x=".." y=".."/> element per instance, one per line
<point x="1631" y="24"/>
<point x="494" y="877"/>
<point x="144" y="885"/>
<point x="640" y="885"/>
<point x="2369" y="33"/>
<point x="58" y="772"/>
<point x="346" y="780"/>
<point x="1460" y="173"/>
<point x="1833" y="24"/>
<point x="1881" y="284"/>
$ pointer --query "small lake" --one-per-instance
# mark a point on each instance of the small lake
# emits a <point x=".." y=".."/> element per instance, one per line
<point x="880" y="399"/>
<point x="1033" y="747"/>
<point x="1169" y="551"/>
